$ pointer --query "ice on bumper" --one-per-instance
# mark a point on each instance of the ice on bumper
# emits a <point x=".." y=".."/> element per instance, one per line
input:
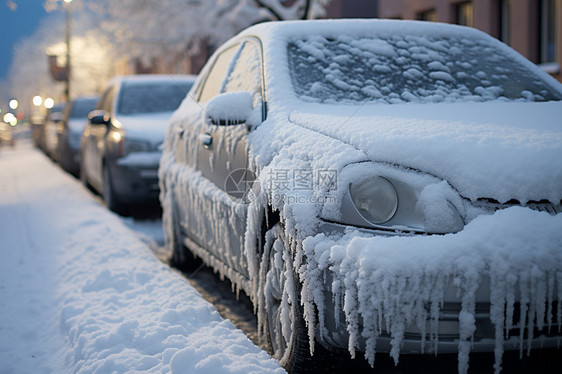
<point x="389" y="284"/>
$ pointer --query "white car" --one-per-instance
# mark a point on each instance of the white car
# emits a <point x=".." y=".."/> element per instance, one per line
<point x="372" y="185"/>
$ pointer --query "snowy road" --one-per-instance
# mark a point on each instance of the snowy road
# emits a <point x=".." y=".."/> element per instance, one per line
<point x="80" y="293"/>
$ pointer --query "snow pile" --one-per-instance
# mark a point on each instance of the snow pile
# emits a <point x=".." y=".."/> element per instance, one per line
<point x="80" y="293"/>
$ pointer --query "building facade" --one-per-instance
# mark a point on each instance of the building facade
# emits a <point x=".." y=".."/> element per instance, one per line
<point x="531" y="27"/>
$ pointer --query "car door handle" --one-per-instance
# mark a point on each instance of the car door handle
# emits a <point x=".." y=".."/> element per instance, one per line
<point x="206" y="139"/>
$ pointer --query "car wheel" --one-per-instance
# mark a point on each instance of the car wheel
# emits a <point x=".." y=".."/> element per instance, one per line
<point x="285" y="325"/>
<point x="109" y="196"/>
<point x="83" y="174"/>
<point x="178" y="255"/>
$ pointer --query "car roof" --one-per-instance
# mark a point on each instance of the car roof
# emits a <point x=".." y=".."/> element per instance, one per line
<point x="336" y="27"/>
<point x="152" y="78"/>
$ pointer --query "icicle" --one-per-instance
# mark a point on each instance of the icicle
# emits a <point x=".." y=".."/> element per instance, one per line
<point x="524" y="300"/>
<point x="559" y="309"/>
<point x="497" y="314"/>
<point x="467" y="320"/>
<point x="550" y="299"/>
<point x="511" y="281"/>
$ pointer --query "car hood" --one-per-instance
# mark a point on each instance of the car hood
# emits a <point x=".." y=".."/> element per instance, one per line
<point x="149" y="127"/>
<point x="495" y="150"/>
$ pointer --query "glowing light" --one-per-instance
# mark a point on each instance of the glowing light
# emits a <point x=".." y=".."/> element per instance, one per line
<point x="37" y="100"/>
<point x="49" y="103"/>
<point x="13" y="104"/>
<point x="10" y="119"/>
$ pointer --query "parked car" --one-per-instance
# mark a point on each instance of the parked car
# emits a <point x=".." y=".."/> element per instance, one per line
<point x="120" y="145"/>
<point x="6" y="134"/>
<point x="70" y="131"/>
<point x="388" y="186"/>
<point x="37" y="132"/>
<point x="50" y="130"/>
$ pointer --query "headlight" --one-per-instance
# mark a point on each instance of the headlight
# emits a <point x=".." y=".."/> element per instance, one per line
<point x="375" y="199"/>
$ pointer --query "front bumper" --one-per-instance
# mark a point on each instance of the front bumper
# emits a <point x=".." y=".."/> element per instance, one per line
<point x="439" y="331"/>
<point x="135" y="184"/>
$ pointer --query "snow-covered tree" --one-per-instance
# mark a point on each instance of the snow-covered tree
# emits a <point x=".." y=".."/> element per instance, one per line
<point x="90" y="62"/>
<point x="161" y="29"/>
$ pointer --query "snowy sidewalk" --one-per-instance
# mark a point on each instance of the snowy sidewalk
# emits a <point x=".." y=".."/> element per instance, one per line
<point x="80" y="293"/>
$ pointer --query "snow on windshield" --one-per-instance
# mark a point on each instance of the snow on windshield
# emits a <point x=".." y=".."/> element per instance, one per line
<point x="405" y="68"/>
<point x="151" y="97"/>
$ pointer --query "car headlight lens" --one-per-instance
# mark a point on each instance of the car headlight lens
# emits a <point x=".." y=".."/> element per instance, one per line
<point x="375" y="199"/>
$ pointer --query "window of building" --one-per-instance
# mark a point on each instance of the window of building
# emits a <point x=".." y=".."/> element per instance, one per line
<point x="505" y="21"/>
<point x="428" y="15"/>
<point x="547" y="31"/>
<point x="465" y="14"/>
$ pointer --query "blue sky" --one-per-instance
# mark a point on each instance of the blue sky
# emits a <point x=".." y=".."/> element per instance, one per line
<point x="15" y="25"/>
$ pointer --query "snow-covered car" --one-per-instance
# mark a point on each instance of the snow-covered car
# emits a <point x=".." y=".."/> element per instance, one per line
<point x="72" y="126"/>
<point x="120" y="146"/>
<point x="374" y="185"/>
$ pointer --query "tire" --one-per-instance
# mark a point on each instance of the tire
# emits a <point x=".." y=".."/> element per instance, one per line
<point x="83" y="174"/>
<point x="178" y="255"/>
<point x="285" y="324"/>
<point x="111" y="199"/>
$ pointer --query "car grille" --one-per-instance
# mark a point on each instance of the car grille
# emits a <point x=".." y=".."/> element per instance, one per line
<point x="541" y="206"/>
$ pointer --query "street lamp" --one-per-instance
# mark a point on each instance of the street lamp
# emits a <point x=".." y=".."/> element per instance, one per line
<point x="37" y="100"/>
<point x="49" y="103"/>
<point x="67" y="37"/>
<point x="13" y="104"/>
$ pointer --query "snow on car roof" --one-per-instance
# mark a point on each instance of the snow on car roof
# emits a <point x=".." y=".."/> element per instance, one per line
<point x="151" y="78"/>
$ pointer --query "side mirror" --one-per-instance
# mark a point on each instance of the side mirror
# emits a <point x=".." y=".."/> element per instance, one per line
<point x="232" y="108"/>
<point x="99" y="117"/>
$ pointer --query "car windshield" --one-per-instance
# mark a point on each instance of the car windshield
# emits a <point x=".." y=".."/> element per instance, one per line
<point x="81" y="108"/>
<point x="399" y="69"/>
<point x="150" y="97"/>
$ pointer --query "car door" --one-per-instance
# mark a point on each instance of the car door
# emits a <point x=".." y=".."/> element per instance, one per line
<point x="219" y="154"/>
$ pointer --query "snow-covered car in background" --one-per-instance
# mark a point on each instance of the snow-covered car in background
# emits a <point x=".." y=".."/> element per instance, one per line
<point x="50" y="130"/>
<point x="388" y="186"/>
<point x="71" y="128"/>
<point x="6" y="134"/>
<point x="120" y="146"/>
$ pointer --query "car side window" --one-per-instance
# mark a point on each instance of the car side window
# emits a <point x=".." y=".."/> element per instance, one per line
<point x="216" y="76"/>
<point x="246" y="73"/>
<point x="106" y="99"/>
<point x="108" y="104"/>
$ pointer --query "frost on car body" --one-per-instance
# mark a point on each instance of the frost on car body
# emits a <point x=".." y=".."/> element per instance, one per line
<point x="439" y="229"/>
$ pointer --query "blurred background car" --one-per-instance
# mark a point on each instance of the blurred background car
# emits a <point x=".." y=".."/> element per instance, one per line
<point x="70" y="130"/>
<point x="6" y="135"/>
<point x="120" y="147"/>
<point x="49" y="141"/>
